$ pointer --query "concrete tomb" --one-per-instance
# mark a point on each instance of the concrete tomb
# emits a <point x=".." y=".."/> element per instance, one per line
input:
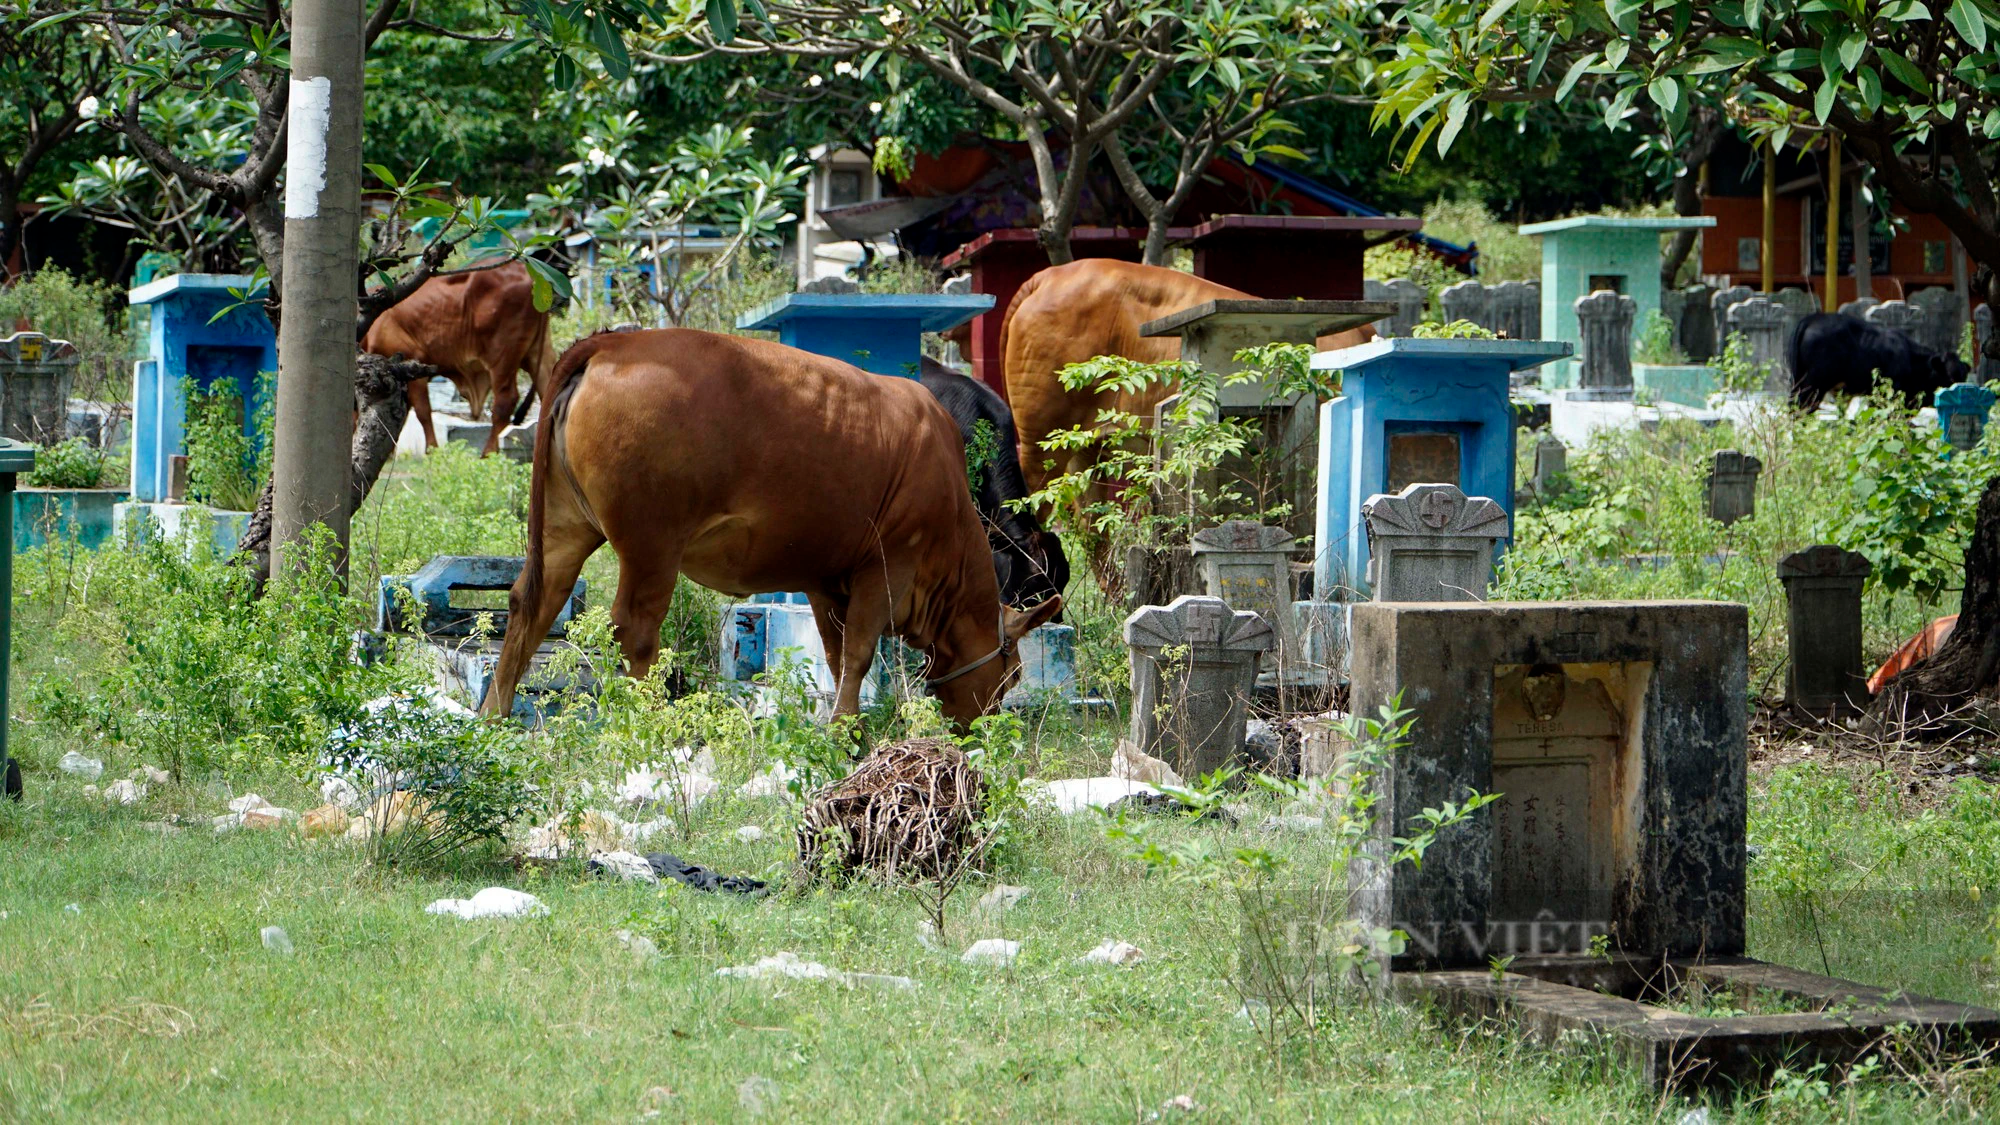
<point x="35" y="374"/>
<point x="1719" y="304"/>
<point x="1409" y="299"/>
<point x="877" y="332"/>
<point x="1467" y="301"/>
<point x="1944" y="318"/>
<point x="1248" y="565"/>
<point x="191" y="337"/>
<point x="1514" y="310"/>
<point x="1899" y="316"/>
<point x="1604" y="320"/>
<point x="1194" y="668"/>
<point x="1858" y="307"/>
<point x="1766" y="326"/>
<point x="1963" y="410"/>
<point x="1825" y="673"/>
<point x="1732" y="485"/>
<point x="1432" y="543"/>
<point x="445" y="604"/>
<point x="1551" y="464"/>
<point x="1583" y="255"/>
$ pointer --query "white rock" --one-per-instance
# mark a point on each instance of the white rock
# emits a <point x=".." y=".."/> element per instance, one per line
<point x="1181" y="1103"/>
<point x="247" y="802"/>
<point x="493" y="902"/>
<point x="1133" y="764"/>
<point x="340" y="791"/>
<point x="1292" y="822"/>
<point x="631" y="867"/>
<point x="91" y="792"/>
<point x="774" y="782"/>
<point x="1081" y="794"/>
<point x="757" y="1095"/>
<point x="927" y="935"/>
<point x="789" y="966"/>
<point x="991" y="951"/>
<point x="151" y="775"/>
<point x="1113" y="953"/>
<point x="642" y="947"/>
<point x="86" y="768"/>
<point x="124" y="791"/>
<point x="276" y="939"/>
<point x="227" y="822"/>
<point x="1001" y="899"/>
<point x="749" y="833"/>
<point x="267" y="816"/>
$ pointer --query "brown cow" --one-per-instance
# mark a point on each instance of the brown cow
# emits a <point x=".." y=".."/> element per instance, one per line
<point x="1088" y="308"/>
<point x="477" y="328"/>
<point x="753" y="468"/>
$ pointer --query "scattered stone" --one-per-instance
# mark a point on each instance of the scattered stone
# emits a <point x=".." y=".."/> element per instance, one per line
<point x="927" y="935"/>
<point x="160" y="827"/>
<point x="227" y="822"/>
<point x="1113" y="952"/>
<point x="686" y="781"/>
<point x="1133" y="764"/>
<point x="774" y="782"/>
<point x="493" y="902"/>
<point x="90" y="791"/>
<point x="1002" y="898"/>
<point x="757" y="1095"/>
<point x="789" y="966"/>
<point x="151" y="775"/>
<point x="1292" y="822"/>
<point x="73" y="908"/>
<point x="642" y="947"/>
<point x="1081" y="794"/>
<point x="267" y="817"/>
<point x="991" y="951"/>
<point x="749" y="834"/>
<point x="124" y="792"/>
<point x="86" y="768"/>
<point x="1183" y="1103"/>
<point x="247" y="802"/>
<point x="597" y="832"/>
<point x="276" y="939"/>
<point x="327" y="820"/>
<point x="341" y="792"/>
<point x="629" y="867"/>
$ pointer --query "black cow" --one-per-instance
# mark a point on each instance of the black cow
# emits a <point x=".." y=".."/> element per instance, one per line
<point x="1029" y="559"/>
<point x="1834" y="352"/>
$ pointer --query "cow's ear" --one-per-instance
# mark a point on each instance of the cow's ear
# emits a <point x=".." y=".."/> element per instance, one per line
<point x="1019" y="621"/>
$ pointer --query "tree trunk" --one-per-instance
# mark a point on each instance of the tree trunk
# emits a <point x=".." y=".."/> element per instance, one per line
<point x="382" y="406"/>
<point x="1704" y="131"/>
<point x="1927" y="692"/>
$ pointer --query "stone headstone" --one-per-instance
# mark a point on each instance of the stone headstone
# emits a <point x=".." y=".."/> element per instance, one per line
<point x="1858" y="307"/>
<point x="1984" y="367"/>
<point x="1767" y="326"/>
<point x="1551" y="463"/>
<point x="1249" y="566"/>
<point x="35" y="374"/>
<point x="1617" y="737"/>
<point x="1409" y="298"/>
<point x="1432" y="543"/>
<point x="1798" y="302"/>
<point x="1719" y="304"/>
<point x="1694" y="329"/>
<point x="1467" y="300"/>
<point x="1963" y="409"/>
<point x="1899" y="316"/>
<point x="1944" y="319"/>
<point x="1823" y="594"/>
<point x="1194" y="668"/>
<point x="1605" y="320"/>
<point x="1732" y="485"/>
<point x="1516" y="309"/>
<point x="830" y="285"/>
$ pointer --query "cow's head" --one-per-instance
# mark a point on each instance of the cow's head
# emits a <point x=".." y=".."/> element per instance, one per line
<point x="1031" y="570"/>
<point x="973" y="683"/>
<point x="1949" y="369"/>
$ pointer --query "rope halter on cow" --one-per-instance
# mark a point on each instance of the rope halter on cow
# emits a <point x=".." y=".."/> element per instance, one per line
<point x="979" y="663"/>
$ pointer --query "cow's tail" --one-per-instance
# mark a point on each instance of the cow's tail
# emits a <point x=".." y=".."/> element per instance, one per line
<point x="560" y="384"/>
<point x="541" y="362"/>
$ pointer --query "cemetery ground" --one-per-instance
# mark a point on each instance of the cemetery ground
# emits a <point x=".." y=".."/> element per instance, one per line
<point x="136" y="983"/>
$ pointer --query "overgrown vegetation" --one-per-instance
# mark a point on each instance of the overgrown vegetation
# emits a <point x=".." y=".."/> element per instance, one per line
<point x="72" y="463"/>
<point x="228" y="442"/>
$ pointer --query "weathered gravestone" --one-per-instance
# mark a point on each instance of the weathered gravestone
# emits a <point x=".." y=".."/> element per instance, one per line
<point x="1858" y="307"/>
<point x="1605" y="321"/>
<point x="1694" y="328"/>
<point x="35" y="374"/>
<point x="1766" y="326"/>
<point x="1823" y="592"/>
<point x="1944" y="319"/>
<point x="1551" y="465"/>
<point x="1899" y="316"/>
<point x="1409" y="299"/>
<point x="443" y="604"/>
<point x="1194" y="667"/>
<point x="1963" y="409"/>
<point x="1797" y="302"/>
<point x="1432" y="543"/>
<point x="1467" y="300"/>
<point x="1516" y="310"/>
<point x="1732" y="485"/>
<point x="1249" y="566"/>
<point x="1719" y="304"/>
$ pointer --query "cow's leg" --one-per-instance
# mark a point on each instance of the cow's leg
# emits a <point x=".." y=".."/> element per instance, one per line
<point x="645" y="594"/>
<point x="830" y="618"/>
<point x="567" y="540"/>
<point x="868" y="617"/>
<point x="419" y="391"/>
<point x="506" y="393"/>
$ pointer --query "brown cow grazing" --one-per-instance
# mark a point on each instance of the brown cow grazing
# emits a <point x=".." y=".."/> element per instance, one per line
<point x="477" y="328"/>
<point x="1088" y="308"/>
<point x="753" y="468"/>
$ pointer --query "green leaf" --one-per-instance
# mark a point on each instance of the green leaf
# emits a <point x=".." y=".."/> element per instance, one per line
<point x="51" y="21"/>
<point x="1493" y="13"/>
<point x="565" y="72"/>
<point x="382" y="173"/>
<point x="1665" y="92"/>
<point x="1991" y="126"/>
<point x="1576" y="70"/>
<point x="1454" y="120"/>
<point x="1823" y="99"/>
<point x="1870" y="84"/>
<point x="722" y="19"/>
<point x="1796" y="58"/>
<point x="1851" y="50"/>
<point x="1964" y="15"/>
<point x="610" y="47"/>
<point x="1905" y="10"/>
<point x="1904" y="70"/>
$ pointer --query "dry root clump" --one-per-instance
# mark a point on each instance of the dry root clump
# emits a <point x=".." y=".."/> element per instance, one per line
<point x="910" y="809"/>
